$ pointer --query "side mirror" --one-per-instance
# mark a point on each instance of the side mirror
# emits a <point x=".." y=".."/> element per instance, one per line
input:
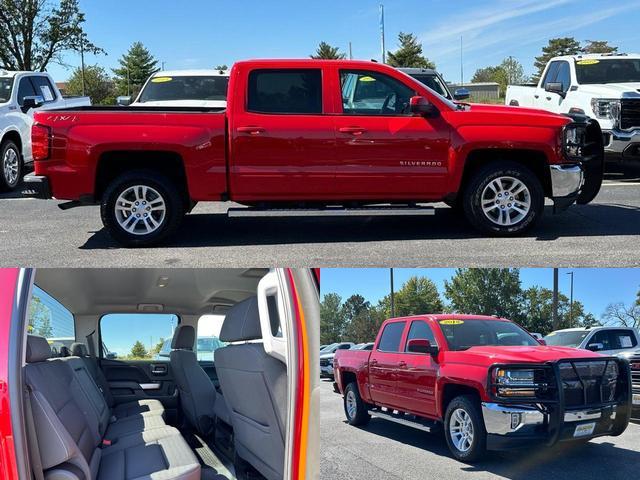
<point x="542" y="341"/>
<point x="32" y="102"/>
<point x="112" y="356"/>
<point x="421" y="345"/>
<point x="123" y="101"/>
<point x="554" y="87"/>
<point x="461" y="94"/>
<point x="421" y="106"/>
<point x="594" y="347"/>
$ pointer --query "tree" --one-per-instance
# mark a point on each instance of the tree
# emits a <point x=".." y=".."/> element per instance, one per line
<point x="598" y="46"/>
<point x="537" y="308"/>
<point x="331" y="319"/>
<point x="486" y="74"/>
<point x="138" y="350"/>
<point x="97" y="83"/>
<point x="39" y="318"/>
<point x="514" y="72"/>
<point x="623" y="315"/>
<point x="418" y="295"/>
<point x="135" y="67"/>
<point x="34" y="33"/>
<point x="363" y="327"/>
<point x="327" y="52"/>
<point x="155" y="350"/>
<point x="486" y="291"/>
<point x="222" y="68"/>
<point x="556" y="47"/>
<point x="409" y="53"/>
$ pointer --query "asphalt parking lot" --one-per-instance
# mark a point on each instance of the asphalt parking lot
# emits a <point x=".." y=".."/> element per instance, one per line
<point x="604" y="233"/>
<point x="383" y="450"/>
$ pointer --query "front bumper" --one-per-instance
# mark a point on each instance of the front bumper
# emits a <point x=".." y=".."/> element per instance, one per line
<point x="566" y="180"/>
<point x="622" y="145"/>
<point x="326" y="371"/>
<point x="36" y="186"/>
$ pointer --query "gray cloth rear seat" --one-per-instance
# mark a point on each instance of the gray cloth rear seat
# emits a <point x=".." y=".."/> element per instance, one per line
<point x="70" y="422"/>
<point x="128" y="409"/>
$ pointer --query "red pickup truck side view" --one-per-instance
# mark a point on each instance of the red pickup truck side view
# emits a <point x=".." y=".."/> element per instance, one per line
<point x="315" y="137"/>
<point x="486" y="381"/>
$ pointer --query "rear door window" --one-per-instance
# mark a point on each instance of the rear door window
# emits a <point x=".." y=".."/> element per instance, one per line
<point x="208" y="340"/>
<point x="48" y="318"/>
<point x="621" y="339"/>
<point x="137" y="336"/>
<point x="391" y="336"/>
<point x="25" y="89"/>
<point x="285" y="91"/>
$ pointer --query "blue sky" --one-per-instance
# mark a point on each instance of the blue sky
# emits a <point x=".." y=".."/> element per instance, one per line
<point x="201" y="34"/>
<point x="595" y="288"/>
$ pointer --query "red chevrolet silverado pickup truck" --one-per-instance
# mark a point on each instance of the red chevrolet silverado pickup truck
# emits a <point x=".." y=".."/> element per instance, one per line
<point x="312" y="137"/>
<point x="486" y="381"/>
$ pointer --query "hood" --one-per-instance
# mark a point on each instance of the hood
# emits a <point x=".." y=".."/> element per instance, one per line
<point x="183" y="103"/>
<point x="532" y="354"/>
<point x="507" y="115"/>
<point x="611" y="90"/>
<point x="327" y="355"/>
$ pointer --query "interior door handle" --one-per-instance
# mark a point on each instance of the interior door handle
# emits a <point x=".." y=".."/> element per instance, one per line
<point x="352" y="130"/>
<point x="252" y="130"/>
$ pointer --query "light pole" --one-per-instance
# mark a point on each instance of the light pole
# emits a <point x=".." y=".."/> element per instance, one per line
<point x="571" y="301"/>
<point x="382" y="33"/>
<point x="393" y="307"/>
<point x="554" y="310"/>
<point x="82" y="65"/>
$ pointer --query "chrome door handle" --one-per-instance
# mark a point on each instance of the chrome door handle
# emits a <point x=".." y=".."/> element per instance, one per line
<point x="352" y="130"/>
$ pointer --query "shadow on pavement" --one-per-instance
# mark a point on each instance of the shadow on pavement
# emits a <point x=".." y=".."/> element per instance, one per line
<point x="206" y="230"/>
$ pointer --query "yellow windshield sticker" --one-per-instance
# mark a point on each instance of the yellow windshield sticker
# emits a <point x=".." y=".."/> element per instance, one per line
<point x="161" y="79"/>
<point x="451" y="322"/>
<point x="587" y="62"/>
<point x="367" y="79"/>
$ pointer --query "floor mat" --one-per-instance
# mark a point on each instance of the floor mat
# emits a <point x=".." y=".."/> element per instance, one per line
<point x="213" y="468"/>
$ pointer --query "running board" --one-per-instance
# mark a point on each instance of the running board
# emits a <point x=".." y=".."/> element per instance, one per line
<point x="406" y="419"/>
<point x="331" y="212"/>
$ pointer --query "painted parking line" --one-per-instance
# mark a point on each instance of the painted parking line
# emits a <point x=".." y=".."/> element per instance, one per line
<point x="614" y="183"/>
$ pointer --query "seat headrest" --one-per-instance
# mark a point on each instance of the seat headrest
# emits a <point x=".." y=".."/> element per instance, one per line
<point x="183" y="338"/>
<point x="38" y="349"/>
<point x="242" y="322"/>
<point x="64" y="351"/>
<point x="79" y="350"/>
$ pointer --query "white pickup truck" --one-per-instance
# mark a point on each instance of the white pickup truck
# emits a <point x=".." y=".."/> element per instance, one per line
<point x="604" y="87"/>
<point x="20" y="94"/>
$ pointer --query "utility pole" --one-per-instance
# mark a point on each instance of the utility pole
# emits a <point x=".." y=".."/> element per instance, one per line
<point x="393" y="306"/>
<point x="128" y="80"/>
<point x="554" y="308"/>
<point x="82" y="64"/>
<point x="163" y="65"/>
<point x="461" y="67"/>
<point x="350" y="52"/>
<point x="382" y="33"/>
<point x="571" y="301"/>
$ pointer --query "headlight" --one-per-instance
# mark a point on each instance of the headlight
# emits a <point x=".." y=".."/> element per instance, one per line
<point x="519" y="382"/>
<point x="606" y="108"/>
<point x="575" y="138"/>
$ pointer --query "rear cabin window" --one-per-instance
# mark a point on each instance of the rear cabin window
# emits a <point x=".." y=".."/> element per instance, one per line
<point x="208" y="340"/>
<point x="285" y="91"/>
<point x="390" y="338"/>
<point x="137" y="336"/>
<point x="48" y="318"/>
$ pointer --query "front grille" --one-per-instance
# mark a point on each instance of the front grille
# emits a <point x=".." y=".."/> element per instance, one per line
<point x="629" y="114"/>
<point x="324" y="362"/>
<point x="635" y="373"/>
<point x="587" y="383"/>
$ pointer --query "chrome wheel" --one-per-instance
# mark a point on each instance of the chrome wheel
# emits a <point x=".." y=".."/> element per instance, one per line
<point x="506" y="201"/>
<point x="461" y="429"/>
<point x="352" y="406"/>
<point x="11" y="166"/>
<point x="140" y="210"/>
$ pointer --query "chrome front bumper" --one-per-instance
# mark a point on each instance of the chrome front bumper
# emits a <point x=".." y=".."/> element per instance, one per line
<point x="566" y="180"/>
<point x="619" y="140"/>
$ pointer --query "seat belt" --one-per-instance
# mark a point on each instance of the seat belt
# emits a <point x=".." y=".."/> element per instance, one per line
<point x="34" y="448"/>
<point x="90" y="345"/>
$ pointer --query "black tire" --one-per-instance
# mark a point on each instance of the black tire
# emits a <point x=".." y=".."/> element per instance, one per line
<point x="455" y="205"/>
<point x="478" y="447"/>
<point x="174" y="207"/>
<point x="361" y="415"/>
<point x="472" y="198"/>
<point x="7" y="184"/>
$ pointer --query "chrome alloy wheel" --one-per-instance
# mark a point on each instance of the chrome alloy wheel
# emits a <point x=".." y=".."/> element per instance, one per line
<point x="140" y="210"/>
<point x="461" y="429"/>
<point x="10" y="166"/>
<point x="506" y="201"/>
<point x="352" y="406"/>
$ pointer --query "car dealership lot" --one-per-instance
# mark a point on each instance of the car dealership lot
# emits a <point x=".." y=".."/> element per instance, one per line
<point x="385" y="450"/>
<point x="603" y="233"/>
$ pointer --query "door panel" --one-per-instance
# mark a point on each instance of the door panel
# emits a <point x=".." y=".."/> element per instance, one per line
<point x="416" y="383"/>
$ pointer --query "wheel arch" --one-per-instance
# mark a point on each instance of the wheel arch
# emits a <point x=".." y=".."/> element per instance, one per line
<point x="14" y="136"/>
<point x="452" y="390"/>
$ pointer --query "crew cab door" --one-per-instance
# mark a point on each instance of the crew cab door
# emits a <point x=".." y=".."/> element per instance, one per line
<point x="384" y="362"/>
<point x="282" y="143"/>
<point x="417" y="373"/>
<point x="383" y="151"/>
<point x="558" y="71"/>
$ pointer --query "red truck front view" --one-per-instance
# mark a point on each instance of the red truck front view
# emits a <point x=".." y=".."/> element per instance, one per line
<point x="311" y="137"/>
<point x="487" y="382"/>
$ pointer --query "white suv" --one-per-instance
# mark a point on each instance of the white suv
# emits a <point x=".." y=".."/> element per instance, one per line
<point x="605" y="340"/>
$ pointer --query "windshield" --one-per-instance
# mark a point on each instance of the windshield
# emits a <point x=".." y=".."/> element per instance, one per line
<point x="566" y="339"/>
<point x="433" y="82"/>
<point x="5" y="89"/>
<point x="209" y="344"/>
<point x="614" y="70"/>
<point x="329" y="348"/>
<point x="185" y="88"/>
<point x="464" y="334"/>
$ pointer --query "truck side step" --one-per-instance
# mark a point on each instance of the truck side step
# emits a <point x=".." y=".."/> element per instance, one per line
<point x="331" y="212"/>
<point x="406" y="419"/>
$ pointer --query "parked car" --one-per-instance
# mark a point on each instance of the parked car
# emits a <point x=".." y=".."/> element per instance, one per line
<point x="326" y="357"/>
<point x="602" y="86"/>
<point x="183" y="88"/>
<point x="605" y="340"/>
<point x="22" y="93"/>
<point x="435" y="82"/>
<point x="205" y="348"/>
<point x="634" y="362"/>
<point x="364" y="346"/>
<point x="364" y="133"/>
<point x="486" y="381"/>
<point x="86" y="416"/>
